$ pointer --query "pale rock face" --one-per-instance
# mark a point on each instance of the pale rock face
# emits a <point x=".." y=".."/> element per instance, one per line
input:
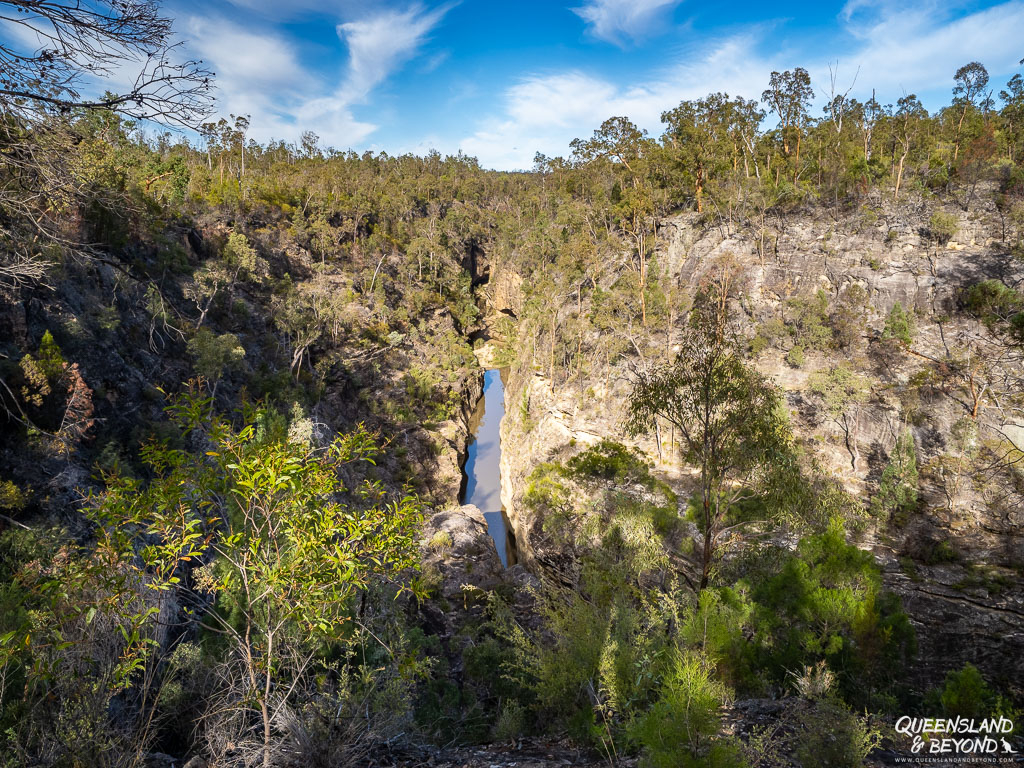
<point x="459" y="556"/>
<point x="888" y="255"/>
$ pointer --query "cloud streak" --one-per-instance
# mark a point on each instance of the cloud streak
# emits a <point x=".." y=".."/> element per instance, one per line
<point x="617" y="21"/>
<point x="919" y="48"/>
<point x="890" y="47"/>
<point x="253" y="70"/>
<point x="260" y="74"/>
<point x="380" y="44"/>
<point x="544" y="113"/>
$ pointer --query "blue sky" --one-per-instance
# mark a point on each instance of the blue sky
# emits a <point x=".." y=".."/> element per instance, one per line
<point x="503" y="80"/>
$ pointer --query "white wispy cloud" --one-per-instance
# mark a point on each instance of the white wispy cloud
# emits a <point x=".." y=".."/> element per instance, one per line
<point x="888" y="46"/>
<point x="290" y="9"/>
<point x="257" y="74"/>
<point x="544" y="113"/>
<point x="918" y="48"/>
<point x="380" y="44"/>
<point x="619" y="20"/>
<point x="261" y="74"/>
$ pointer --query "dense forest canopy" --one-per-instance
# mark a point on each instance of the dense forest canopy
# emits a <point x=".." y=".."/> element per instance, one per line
<point x="234" y="380"/>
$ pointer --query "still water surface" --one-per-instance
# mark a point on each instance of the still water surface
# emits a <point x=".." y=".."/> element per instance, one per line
<point x="481" y="475"/>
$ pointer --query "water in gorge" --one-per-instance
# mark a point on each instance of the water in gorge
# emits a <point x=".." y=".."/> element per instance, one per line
<point x="481" y="474"/>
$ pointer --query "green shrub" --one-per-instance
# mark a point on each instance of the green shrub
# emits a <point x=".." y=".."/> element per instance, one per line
<point x="795" y="356"/>
<point x="897" y="490"/>
<point x="609" y="461"/>
<point x="993" y="298"/>
<point x="666" y="519"/>
<point x="524" y="411"/>
<point x="938" y="552"/>
<point x="11" y="496"/>
<point x="1000" y="307"/>
<point x="899" y="326"/>
<point x="809" y="321"/>
<point x="826" y="603"/>
<point x="598" y="657"/>
<point x="215" y="355"/>
<point x="683" y="727"/>
<point x="51" y="361"/>
<point x="769" y="333"/>
<point x="965" y="693"/>
<point x="830" y="735"/>
<point x="441" y="543"/>
<point x="511" y="722"/>
<point x="719" y="625"/>
<point x="942" y="227"/>
<point x="546" y="491"/>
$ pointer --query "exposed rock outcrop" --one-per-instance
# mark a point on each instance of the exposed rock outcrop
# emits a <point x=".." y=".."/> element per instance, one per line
<point x="962" y="613"/>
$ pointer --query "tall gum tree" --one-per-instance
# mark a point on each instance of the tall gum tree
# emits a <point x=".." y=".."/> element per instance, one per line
<point x="789" y="96"/>
<point x="631" y="154"/>
<point x="728" y="418"/>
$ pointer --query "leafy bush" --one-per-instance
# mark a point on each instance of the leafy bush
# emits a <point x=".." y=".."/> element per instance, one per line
<point x="942" y="227"/>
<point x="720" y="624"/>
<point x="254" y="542"/>
<point x="829" y="734"/>
<point x="769" y="334"/>
<point x="899" y="326"/>
<point x="809" y="321"/>
<point x="897" y="490"/>
<point x="683" y="727"/>
<point x="993" y="298"/>
<point x="214" y="354"/>
<point x="826" y="603"/>
<point x="610" y="461"/>
<point x="965" y="693"/>
<point x="511" y="722"/>
<point x="11" y="496"/>
<point x="795" y="356"/>
<point x="937" y="552"/>
<point x="1000" y="307"/>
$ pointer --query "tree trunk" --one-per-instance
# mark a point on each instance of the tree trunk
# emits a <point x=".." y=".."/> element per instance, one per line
<point x="850" y="424"/>
<point x="705" y="568"/>
<point x="265" y="707"/>
<point x="796" y="162"/>
<point x="899" y="175"/>
<point x="641" y="247"/>
<point x="700" y="190"/>
<point x="956" y="141"/>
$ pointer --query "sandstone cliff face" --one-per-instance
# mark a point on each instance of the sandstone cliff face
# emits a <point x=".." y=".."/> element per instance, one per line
<point x="968" y="608"/>
<point x="504" y="293"/>
<point x="455" y="541"/>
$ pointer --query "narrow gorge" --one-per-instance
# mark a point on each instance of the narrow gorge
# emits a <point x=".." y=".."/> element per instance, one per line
<point x="698" y="445"/>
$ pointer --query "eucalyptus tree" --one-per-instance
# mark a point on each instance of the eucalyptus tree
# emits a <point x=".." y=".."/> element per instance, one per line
<point x="728" y="418"/>
<point x="631" y="156"/>
<point x="698" y="134"/>
<point x="746" y="117"/>
<point x="1013" y="116"/>
<point x="843" y="393"/>
<point x="971" y="81"/>
<point x="789" y="96"/>
<point x="907" y="119"/>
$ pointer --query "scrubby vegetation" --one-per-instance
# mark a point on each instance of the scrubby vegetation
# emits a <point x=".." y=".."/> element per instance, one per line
<point x="230" y="374"/>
